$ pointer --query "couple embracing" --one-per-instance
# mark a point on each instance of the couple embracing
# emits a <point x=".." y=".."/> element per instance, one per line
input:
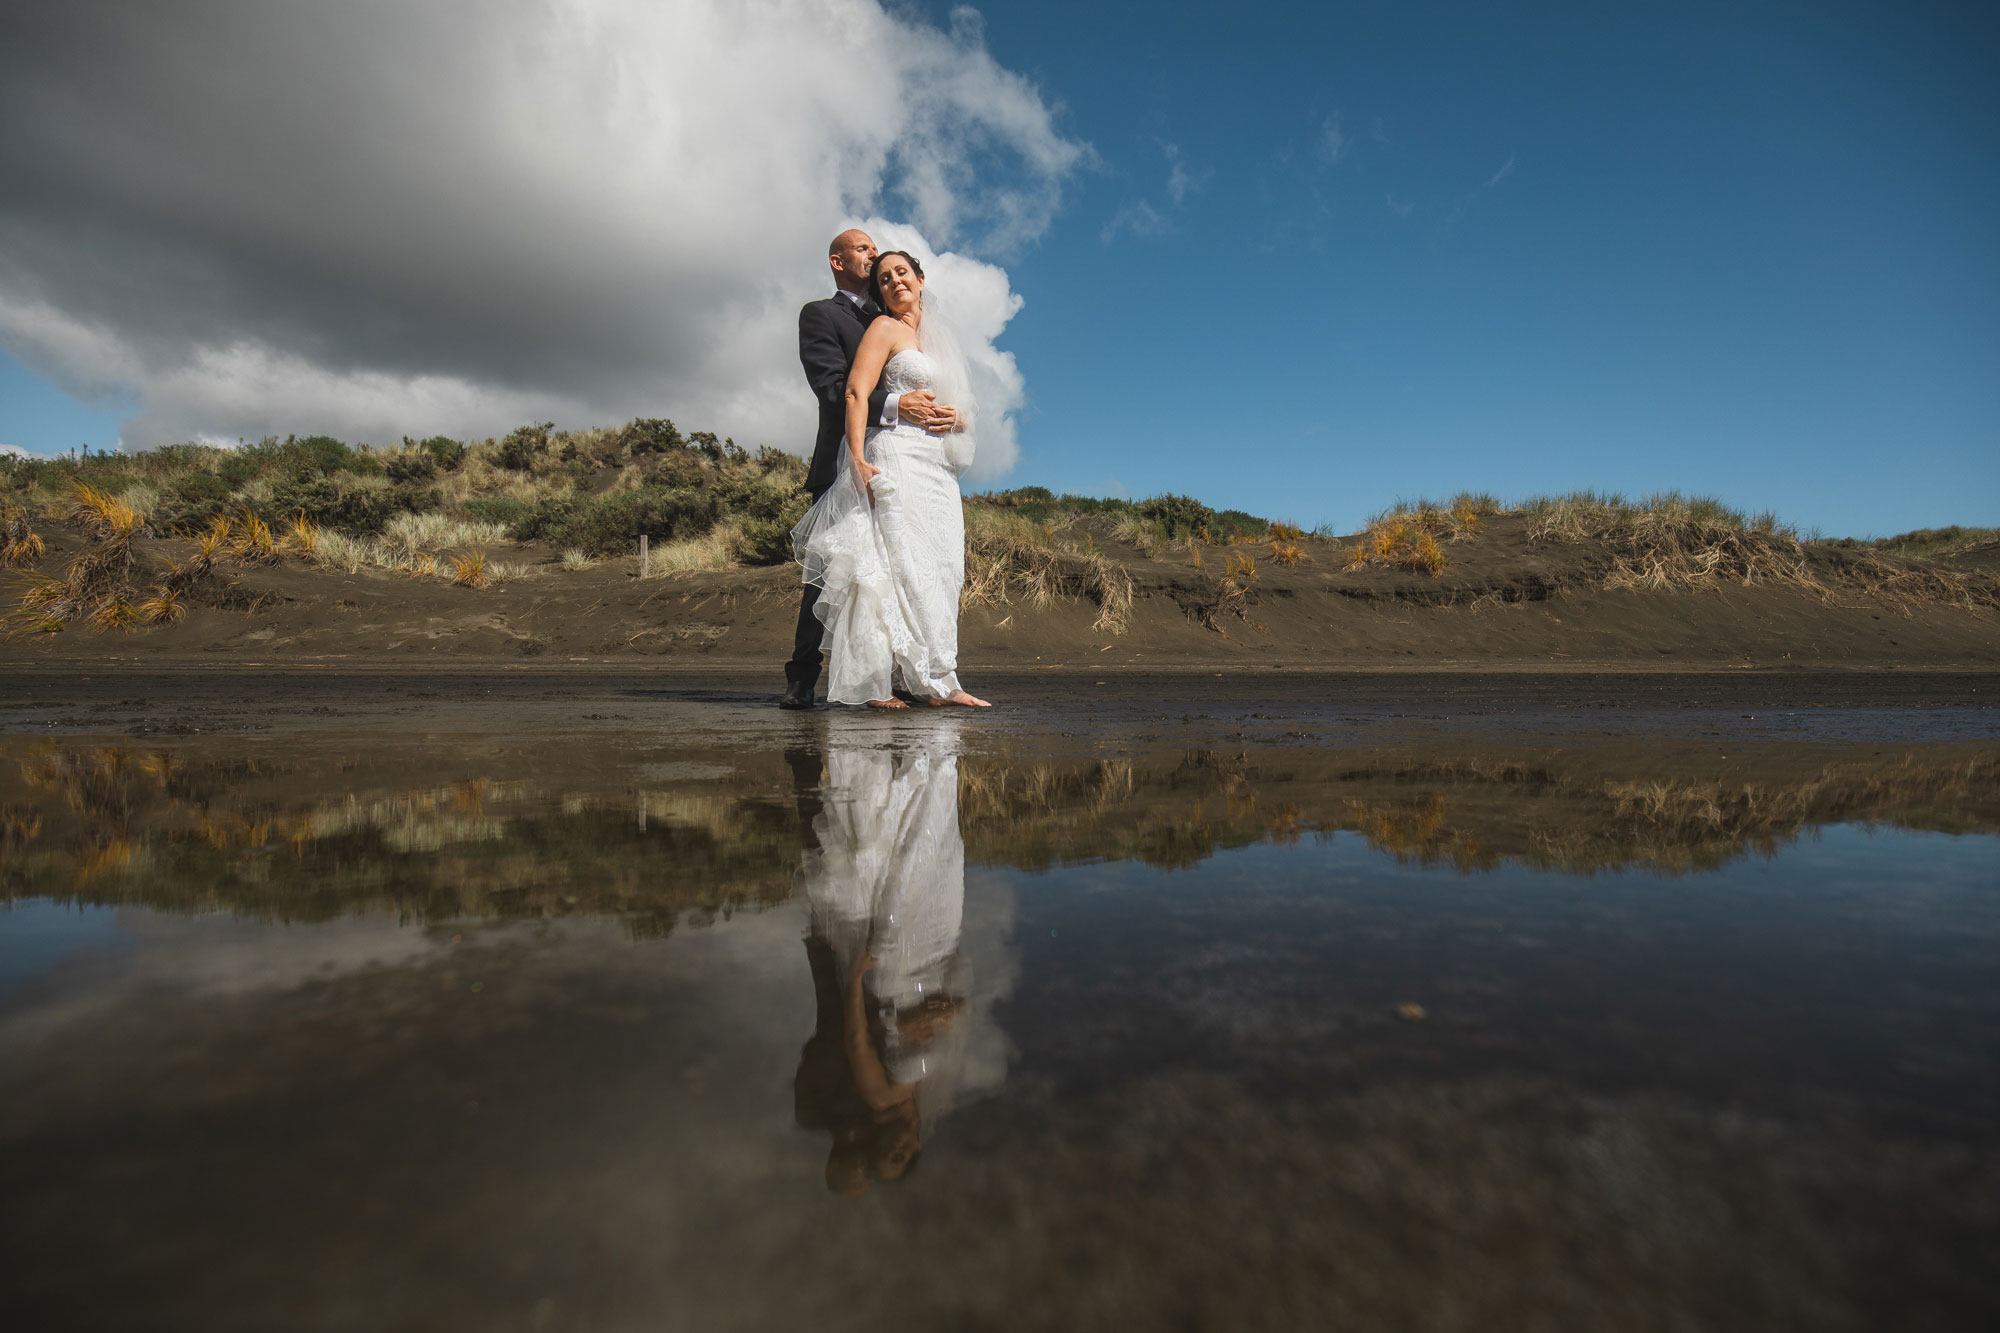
<point x="883" y="546"/>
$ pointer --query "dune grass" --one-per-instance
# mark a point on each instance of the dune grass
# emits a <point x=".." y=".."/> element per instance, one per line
<point x="1411" y="534"/>
<point x="1936" y="543"/>
<point x="1009" y="555"/>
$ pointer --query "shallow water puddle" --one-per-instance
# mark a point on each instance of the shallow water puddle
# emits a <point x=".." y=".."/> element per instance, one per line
<point x="900" y="1023"/>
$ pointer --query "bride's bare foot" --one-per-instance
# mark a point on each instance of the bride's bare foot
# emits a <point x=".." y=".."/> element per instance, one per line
<point x="887" y="703"/>
<point x="961" y="698"/>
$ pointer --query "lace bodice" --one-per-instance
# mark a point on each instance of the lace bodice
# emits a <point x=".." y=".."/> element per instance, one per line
<point x="908" y="371"/>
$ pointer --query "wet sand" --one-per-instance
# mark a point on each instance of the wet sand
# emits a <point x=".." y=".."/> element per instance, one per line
<point x="1107" y="702"/>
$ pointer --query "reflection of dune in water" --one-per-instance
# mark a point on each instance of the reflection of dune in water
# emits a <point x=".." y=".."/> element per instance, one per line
<point x="192" y="830"/>
<point x="1470" y="815"/>
<point x="125" y="825"/>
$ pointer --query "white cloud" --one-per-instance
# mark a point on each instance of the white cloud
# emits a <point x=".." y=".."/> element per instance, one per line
<point x="376" y="218"/>
<point x="1182" y="180"/>
<point x="1140" y="217"/>
<point x="1137" y="217"/>
<point x="1333" y="142"/>
<point x="1502" y="174"/>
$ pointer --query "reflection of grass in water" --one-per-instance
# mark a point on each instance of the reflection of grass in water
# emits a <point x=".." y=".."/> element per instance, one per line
<point x="112" y="824"/>
<point x="1043" y="816"/>
<point x="184" y="837"/>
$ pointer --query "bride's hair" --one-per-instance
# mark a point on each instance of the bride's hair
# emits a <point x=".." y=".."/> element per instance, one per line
<point x="875" y="274"/>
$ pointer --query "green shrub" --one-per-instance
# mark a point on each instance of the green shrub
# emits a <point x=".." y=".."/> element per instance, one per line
<point x="509" y="513"/>
<point x="779" y="464"/>
<point x="1178" y="515"/>
<point x="411" y="465"/>
<point x="325" y="455"/>
<point x="244" y="464"/>
<point x="612" y="524"/>
<point x="1235" y="523"/>
<point x="651" y="435"/>
<point x="523" y="446"/>
<point x="322" y="500"/>
<point x="768" y="540"/>
<point x="447" y="452"/>
<point x="191" y="500"/>
<point x="755" y="497"/>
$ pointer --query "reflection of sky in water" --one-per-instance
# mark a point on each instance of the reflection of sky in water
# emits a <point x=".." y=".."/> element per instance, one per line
<point x="37" y="935"/>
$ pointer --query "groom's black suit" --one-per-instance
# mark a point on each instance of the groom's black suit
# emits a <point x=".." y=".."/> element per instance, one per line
<point x="829" y="334"/>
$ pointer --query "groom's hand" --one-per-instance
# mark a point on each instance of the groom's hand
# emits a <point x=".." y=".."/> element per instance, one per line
<point x="920" y="407"/>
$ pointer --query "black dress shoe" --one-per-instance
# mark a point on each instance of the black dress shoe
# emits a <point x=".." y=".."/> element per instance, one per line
<point x="797" y="695"/>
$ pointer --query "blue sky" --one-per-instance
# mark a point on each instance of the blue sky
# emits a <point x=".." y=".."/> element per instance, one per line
<point x="1328" y="256"/>
<point x="1747" y="250"/>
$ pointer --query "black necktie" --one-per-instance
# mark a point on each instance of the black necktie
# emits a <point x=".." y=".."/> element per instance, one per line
<point x="868" y="310"/>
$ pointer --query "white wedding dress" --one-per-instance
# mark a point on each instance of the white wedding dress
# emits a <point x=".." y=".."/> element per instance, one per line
<point x="889" y="574"/>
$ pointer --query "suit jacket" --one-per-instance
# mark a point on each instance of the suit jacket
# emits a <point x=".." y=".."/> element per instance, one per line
<point x="829" y="332"/>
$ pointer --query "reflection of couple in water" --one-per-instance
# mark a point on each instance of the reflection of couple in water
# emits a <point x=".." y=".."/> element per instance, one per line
<point x="885" y="888"/>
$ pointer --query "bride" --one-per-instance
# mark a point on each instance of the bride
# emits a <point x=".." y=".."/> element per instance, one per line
<point x="886" y="543"/>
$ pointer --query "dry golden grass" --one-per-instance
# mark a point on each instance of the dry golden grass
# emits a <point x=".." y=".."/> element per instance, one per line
<point x="1143" y="533"/>
<point x="1288" y="554"/>
<point x="469" y="569"/>
<point x="1006" y="560"/>
<point x="115" y="612"/>
<point x="162" y="608"/>
<point x="1412" y="535"/>
<point x="213" y="541"/>
<point x="714" y="549"/>
<point x="302" y="537"/>
<point x="1675" y="541"/>
<point x="436" y="531"/>
<point x="252" y="541"/>
<point x="103" y="516"/>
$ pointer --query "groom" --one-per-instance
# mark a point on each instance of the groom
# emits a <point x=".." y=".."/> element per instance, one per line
<point x="829" y="332"/>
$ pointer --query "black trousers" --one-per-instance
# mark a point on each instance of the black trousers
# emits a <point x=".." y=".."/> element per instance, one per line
<point x="803" y="669"/>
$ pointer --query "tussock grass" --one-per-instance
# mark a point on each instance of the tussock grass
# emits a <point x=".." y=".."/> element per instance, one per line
<point x="714" y="549"/>
<point x="468" y="570"/>
<point x="251" y="540"/>
<point x="1003" y="562"/>
<point x="1411" y="535"/>
<point x="301" y="536"/>
<point x="107" y="585"/>
<point x="20" y="544"/>
<point x="438" y="531"/>
<point x="1670" y="540"/>
<point x="1144" y="533"/>
<point x="338" y="551"/>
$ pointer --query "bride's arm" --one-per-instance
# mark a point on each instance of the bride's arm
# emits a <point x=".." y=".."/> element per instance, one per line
<point x="862" y="377"/>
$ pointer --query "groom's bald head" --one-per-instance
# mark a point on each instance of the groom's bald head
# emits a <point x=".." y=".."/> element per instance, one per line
<point x="851" y="256"/>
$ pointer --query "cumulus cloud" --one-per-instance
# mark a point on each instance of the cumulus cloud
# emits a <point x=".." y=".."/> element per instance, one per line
<point x="374" y="218"/>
